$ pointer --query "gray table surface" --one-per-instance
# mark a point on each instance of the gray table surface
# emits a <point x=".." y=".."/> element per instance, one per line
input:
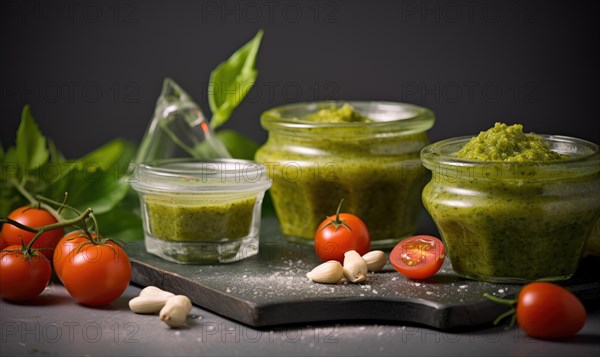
<point x="56" y="325"/>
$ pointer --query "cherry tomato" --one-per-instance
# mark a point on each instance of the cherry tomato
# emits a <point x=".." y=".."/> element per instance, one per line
<point x="70" y="241"/>
<point x="34" y="218"/>
<point x="96" y="274"/>
<point x="340" y="233"/>
<point x="548" y="311"/>
<point x="418" y="257"/>
<point x="22" y="278"/>
<point x="3" y="244"/>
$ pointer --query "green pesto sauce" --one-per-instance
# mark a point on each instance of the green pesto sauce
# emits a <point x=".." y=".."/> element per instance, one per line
<point x="509" y="233"/>
<point x="209" y="222"/>
<point x="343" y="114"/>
<point x="519" y="228"/>
<point x="379" y="178"/>
<point x="507" y="143"/>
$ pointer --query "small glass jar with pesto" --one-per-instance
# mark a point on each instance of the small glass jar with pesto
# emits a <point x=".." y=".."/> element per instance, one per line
<point x="201" y="211"/>
<point x="366" y="153"/>
<point x="513" y="207"/>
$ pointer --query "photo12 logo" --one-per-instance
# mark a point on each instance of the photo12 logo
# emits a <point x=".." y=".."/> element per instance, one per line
<point x="71" y="92"/>
<point x="70" y="12"/>
<point x="468" y="12"/>
<point x="67" y="332"/>
<point x="270" y="12"/>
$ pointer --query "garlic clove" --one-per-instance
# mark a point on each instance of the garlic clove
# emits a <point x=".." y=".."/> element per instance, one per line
<point x="375" y="260"/>
<point x="175" y="311"/>
<point x="329" y="272"/>
<point x="155" y="292"/>
<point x="355" y="267"/>
<point x="146" y="304"/>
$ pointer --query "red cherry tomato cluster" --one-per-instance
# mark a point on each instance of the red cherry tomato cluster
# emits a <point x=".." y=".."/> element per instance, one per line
<point x="94" y="271"/>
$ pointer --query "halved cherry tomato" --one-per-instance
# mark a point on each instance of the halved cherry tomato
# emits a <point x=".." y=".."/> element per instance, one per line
<point x="418" y="257"/>
<point x="22" y="277"/>
<point x="34" y="218"/>
<point x="548" y="311"/>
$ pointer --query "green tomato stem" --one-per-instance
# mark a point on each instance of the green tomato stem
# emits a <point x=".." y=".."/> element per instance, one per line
<point x="512" y="312"/>
<point x="34" y="202"/>
<point x="337" y="222"/>
<point x="41" y="230"/>
<point x="509" y="302"/>
<point x="61" y="205"/>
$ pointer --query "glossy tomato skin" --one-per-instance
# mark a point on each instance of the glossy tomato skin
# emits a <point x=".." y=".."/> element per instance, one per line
<point x="96" y="274"/>
<point x="548" y="311"/>
<point x="3" y="243"/>
<point x="22" y="279"/>
<point x="332" y="243"/>
<point x="418" y="257"/>
<point x="66" y="245"/>
<point x="32" y="217"/>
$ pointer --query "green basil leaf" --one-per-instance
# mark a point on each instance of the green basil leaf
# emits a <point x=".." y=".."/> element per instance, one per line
<point x="121" y="224"/>
<point x="232" y="80"/>
<point x="31" y="144"/>
<point x="238" y="145"/>
<point x="103" y="158"/>
<point x="95" y="188"/>
<point x="10" y="165"/>
<point x="55" y="154"/>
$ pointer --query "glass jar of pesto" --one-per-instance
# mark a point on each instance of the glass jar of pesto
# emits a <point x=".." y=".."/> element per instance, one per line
<point x="201" y="211"/>
<point x="366" y="153"/>
<point x="519" y="220"/>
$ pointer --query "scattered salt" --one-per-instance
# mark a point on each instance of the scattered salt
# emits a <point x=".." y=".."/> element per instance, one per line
<point x="501" y="291"/>
<point x="428" y="293"/>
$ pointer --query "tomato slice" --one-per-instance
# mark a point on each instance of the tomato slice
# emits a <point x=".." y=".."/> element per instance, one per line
<point x="418" y="257"/>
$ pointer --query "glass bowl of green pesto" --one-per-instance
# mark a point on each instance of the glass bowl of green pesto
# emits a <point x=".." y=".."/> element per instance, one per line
<point x="365" y="152"/>
<point x="513" y="207"/>
<point x="201" y="211"/>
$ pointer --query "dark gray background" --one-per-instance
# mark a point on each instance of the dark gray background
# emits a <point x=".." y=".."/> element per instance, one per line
<point x="92" y="71"/>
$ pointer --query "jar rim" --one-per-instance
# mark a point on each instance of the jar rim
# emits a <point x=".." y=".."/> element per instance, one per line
<point x="187" y="175"/>
<point x="579" y="154"/>
<point x="386" y="115"/>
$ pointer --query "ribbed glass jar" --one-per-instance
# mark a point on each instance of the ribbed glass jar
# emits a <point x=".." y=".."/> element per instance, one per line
<point x="374" y="166"/>
<point x="514" y="221"/>
<point x="201" y="211"/>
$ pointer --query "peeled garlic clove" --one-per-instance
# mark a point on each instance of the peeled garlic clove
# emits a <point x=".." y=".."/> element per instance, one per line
<point x="355" y="267"/>
<point x="155" y="292"/>
<point x="329" y="272"/>
<point x="375" y="260"/>
<point x="175" y="311"/>
<point x="146" y="304"/>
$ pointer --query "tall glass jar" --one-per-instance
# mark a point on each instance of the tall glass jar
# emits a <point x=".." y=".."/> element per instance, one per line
<point x="514" y="221"/>
<point x="374" y="166"/>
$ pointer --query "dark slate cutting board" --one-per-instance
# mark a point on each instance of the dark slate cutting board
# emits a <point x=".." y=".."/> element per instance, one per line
<point x="272" y="289"/>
